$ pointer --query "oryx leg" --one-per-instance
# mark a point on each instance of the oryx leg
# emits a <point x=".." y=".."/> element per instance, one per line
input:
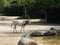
<point x="14" y="28"/>
<point x="22" y="28"/>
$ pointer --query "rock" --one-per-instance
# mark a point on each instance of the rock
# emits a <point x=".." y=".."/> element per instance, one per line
<point x="51" y="32"/>
<point x="36" y="33"/>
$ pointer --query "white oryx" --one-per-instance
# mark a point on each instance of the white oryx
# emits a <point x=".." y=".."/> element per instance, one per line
<point x="22" y="24"/>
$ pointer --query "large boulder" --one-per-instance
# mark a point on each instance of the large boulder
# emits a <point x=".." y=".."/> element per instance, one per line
<point x="27" y="41"/>
<point x="51" y="32"/>
<point x="36" y="33"/>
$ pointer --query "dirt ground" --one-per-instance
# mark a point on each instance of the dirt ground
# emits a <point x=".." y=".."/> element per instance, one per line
<point x="7" y="37"/>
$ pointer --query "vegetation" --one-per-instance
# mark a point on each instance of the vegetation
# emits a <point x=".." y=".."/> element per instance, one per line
<point x="32" y="3"/>
<point x="4" y="3"/>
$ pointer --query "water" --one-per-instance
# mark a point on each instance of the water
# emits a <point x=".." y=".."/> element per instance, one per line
<point x="47" y="40"/>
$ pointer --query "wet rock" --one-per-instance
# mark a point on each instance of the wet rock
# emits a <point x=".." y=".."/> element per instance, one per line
<point x="36" y="33"/>
<point x="51" y="32"/>
<point x="27" y="41"/>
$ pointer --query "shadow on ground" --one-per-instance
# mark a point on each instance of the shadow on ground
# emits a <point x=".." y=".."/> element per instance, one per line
<point x="12" y="32"/>
<point x="42" y="23"/>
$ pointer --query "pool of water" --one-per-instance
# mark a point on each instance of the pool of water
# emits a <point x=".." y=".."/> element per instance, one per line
<point x="49" y="40"/>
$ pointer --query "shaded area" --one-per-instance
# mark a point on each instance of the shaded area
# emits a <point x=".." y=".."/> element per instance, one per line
<point x="51" y="15"/>
<point x="13" y="11"/>
<point x="12" y="32"/>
